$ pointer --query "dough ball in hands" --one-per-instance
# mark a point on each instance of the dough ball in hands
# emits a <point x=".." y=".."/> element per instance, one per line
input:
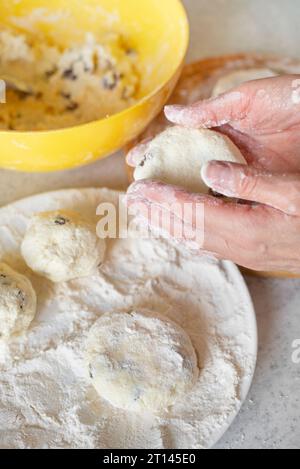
<point x="140" y="361"/>
<point x="237" y="78"/>
<point x="18" y="302"/>
<point x="62" y="246"/>
<point x="177" y="155"/>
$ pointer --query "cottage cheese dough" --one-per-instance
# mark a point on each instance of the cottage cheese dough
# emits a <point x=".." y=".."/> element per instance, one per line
<point x="234" y="79"/>
<point x="62" y="246"/>
<point x="18" y="302"/>
<point x="177" y="156"/>
<point x="86" y="81"/>
<point x="140" y="361"/>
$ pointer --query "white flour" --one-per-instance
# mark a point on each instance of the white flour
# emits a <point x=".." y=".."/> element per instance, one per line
<point x="46" y="397"/>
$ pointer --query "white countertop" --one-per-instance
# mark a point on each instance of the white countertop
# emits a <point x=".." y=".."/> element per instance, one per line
<point x="270" y="417"/>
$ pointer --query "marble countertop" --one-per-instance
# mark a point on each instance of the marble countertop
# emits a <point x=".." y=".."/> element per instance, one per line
<point x="271" y="414"/>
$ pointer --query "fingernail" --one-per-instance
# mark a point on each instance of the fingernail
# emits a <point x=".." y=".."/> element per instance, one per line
<point x="136" y="154"/>
<point x="218" y="175"/>
<point x="173" y="112"/>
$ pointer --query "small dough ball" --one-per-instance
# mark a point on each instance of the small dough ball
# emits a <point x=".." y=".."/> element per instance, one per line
<point x="235" y="79"/>
<point x="140" y="361"/>
<point x="62" y="246"/>
<point x="18" y="302"/>
<point x="177" y="156"/>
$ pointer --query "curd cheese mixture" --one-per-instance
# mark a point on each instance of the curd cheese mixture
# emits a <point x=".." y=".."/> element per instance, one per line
<point x="65" y="87"/>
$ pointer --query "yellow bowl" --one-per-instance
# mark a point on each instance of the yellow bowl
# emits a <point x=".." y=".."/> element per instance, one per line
<point x="158" y="29"/>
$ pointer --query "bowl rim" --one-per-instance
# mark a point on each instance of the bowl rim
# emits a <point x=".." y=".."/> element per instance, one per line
<point x="136" y="105"/>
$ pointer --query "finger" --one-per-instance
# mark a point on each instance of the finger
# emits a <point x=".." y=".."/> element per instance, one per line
<point x="211" y="113"/>
<point x="229" y="230"/>
<point x="159" y="193"/>
<point x="249" y="147"/>
<point x="244" y="182"/>
<point x="166" y="209"/>
<point x="136" y="154"/>
<point x="259" y="155"/>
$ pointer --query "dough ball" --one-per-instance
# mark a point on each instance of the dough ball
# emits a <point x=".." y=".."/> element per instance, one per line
<point x="177" y="156"/>
<point x="234" y="79"/>
<point x="17" y="302"/>
<point x="140" y="361"/>
<point x="62" y="246"/>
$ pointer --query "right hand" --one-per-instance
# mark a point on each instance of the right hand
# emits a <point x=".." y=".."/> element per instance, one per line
<point x="262" y="117"/>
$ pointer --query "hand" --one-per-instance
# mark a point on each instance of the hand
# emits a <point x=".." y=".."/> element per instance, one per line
<point x="263" y="119"/>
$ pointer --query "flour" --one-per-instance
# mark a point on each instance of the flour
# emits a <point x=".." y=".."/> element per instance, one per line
<point x="46" y="396"/>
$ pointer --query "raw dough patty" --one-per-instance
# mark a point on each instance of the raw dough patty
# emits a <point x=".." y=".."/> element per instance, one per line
<point x="62" y="246"/>
<point x="18" y="302"/>
<point x="140" y="361"/>
<point x="177" y="155"/>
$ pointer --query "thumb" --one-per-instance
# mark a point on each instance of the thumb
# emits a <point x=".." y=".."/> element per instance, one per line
<point x="212" y="112"/>
<point x="244" y="182"/>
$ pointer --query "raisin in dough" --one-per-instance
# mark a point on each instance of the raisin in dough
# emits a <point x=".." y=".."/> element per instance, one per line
<point x="62" y="246"/>
<point x="17" y="302"/>
<point x="235" y="79"/>
<point x="177" y="155"/>
<point x="140" y="361"/>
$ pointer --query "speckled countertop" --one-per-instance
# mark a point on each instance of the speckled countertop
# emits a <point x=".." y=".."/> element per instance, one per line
<point x="270" y="417"/>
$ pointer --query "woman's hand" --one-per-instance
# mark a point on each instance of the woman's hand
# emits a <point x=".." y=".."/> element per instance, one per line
<point x="263" y="118"/>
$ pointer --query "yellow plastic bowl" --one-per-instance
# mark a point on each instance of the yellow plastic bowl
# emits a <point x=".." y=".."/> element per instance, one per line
<point x="158" y="29"/>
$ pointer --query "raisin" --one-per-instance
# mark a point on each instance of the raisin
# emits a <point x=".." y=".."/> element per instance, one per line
<point x="69" y="74"/>
<point x="22" y="95"/>
<point x="21" y="297"/>
<point x="72" y="107"/>
<point x="147" y="157"/>
<point x="65" y="95"/>
<point x="50" y="73"/>
<point x="59" y="220"/>
<point x="91" y="371"/>
<point x="110" y="80"/>
<point x="131" y="51"/>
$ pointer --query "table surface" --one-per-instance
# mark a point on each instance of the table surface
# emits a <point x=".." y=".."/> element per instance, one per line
<point x="270" y="417"/>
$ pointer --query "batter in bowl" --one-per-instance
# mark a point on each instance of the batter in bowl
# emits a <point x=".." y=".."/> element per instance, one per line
<point x="65" y="87"/>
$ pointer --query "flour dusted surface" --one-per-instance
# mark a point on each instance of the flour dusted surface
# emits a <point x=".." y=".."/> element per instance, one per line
<point x="46" y="397"/>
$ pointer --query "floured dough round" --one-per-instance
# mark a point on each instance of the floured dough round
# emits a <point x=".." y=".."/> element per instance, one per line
<point x="237" y="78"/>
<point x="177" y="155"/>
<point x="140" y="361"/>
<point x="62" y="246"/>
<point x="18" y="302"/>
